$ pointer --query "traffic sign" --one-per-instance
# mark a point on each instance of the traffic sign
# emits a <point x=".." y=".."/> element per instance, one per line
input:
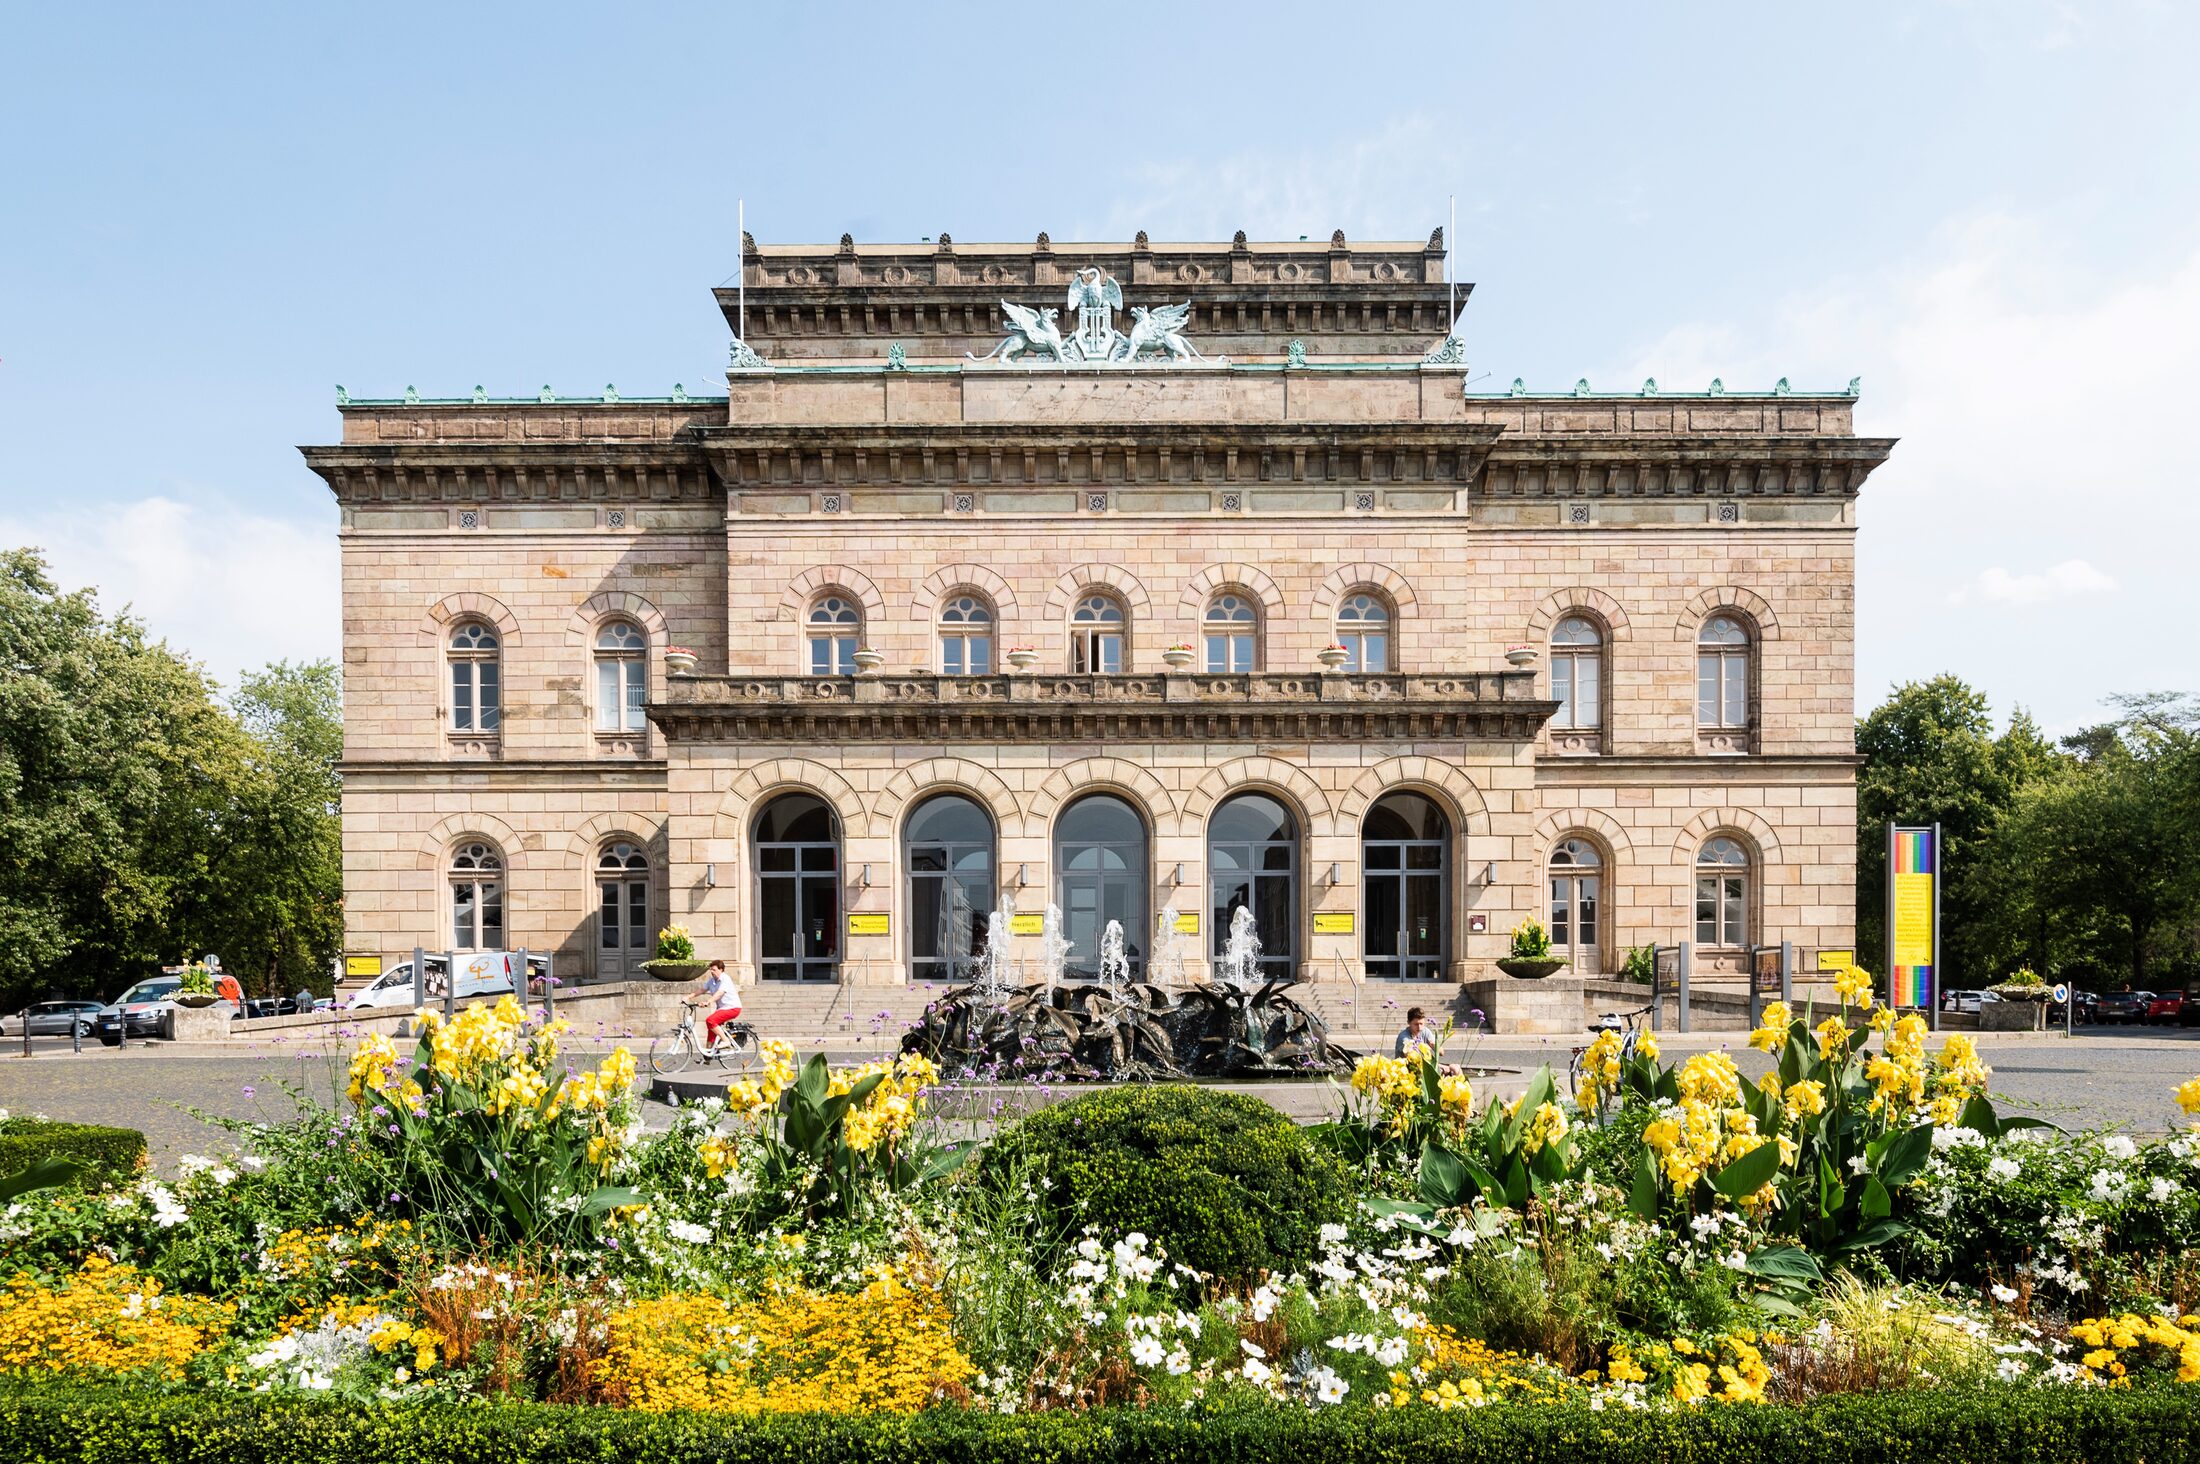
<point x="2062" y="992"/>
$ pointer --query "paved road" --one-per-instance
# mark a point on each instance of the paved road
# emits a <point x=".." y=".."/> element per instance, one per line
<point x="2114" y="1078"/>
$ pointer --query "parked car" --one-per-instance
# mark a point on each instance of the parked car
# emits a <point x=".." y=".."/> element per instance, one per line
<point x="2087" y="1007"/>
<point x="2166" y="1008"/>
<point x="480" y="974"/>
<point x="52" y="1019"/>
<point x="1967" y="1001"/>
<point x="2123" y="1006"/>
<point x="142" y="1010"/>
<point x="2188" y="1014"/>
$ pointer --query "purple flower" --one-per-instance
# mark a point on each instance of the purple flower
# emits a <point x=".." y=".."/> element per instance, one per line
<point x="249" y="1091"/>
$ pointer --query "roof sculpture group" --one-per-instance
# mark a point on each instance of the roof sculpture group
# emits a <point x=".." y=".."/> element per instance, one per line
<point x="1094" y="297"/>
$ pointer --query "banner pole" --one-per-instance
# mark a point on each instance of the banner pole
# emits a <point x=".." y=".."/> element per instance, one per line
<point x="1940" y="864"/>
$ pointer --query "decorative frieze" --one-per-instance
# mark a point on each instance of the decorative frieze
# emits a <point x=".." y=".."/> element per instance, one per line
<point x="1186" y="707"/>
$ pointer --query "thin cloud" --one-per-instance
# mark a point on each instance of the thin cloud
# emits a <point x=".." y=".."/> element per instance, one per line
<point x="2070" y="580"/>
<point x="232" y="589"/>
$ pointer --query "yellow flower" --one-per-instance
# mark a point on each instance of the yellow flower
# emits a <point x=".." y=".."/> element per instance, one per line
<point x="1805" y="1098"/>
<point x="1773" y="1029"/>
<point x="1833" y="1038"/>
<point x="1646" y="1046"/>
<point x="2188" y="1096"/>
<point x="1854" y="987"/>
<point x="1547" y="1127"/>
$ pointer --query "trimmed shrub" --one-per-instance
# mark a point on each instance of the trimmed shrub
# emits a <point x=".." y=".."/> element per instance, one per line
<point x="1224" y="1183"/>
<point x="109" y="1155"/>
<point x="48" y="1423"/>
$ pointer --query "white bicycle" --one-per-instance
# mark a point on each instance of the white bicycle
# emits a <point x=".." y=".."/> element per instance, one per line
<point x="735" y="1048"/>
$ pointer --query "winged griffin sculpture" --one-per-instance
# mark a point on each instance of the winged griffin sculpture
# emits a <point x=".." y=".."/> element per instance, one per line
<point x="1159" y="329"/>
<point x="1028" y="330"/>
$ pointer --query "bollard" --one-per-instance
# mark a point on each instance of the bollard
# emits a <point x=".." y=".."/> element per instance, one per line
<point x="450" y="982"/>
<point x="420" y="979"/>
<point x="1688" y="948"/>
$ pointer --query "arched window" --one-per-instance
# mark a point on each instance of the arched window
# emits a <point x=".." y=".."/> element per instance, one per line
<point x="798" y="890"/>
<point x="947" y="847"/>
<point x="1363" y="629"/>
<point x="966" y="636"/>
<point x="1405" y="864"/>
<point x="1096" y="636"/>
<point x="1253" y="864"/>
<point x="624" y="934"/>
<point x="1101" y="876"/>
<point x="1722" y="674"/>
<point x="1722" y="894"/>
<point x="1577" y="886"/>
<point x="1577" y="674"/>
<point x="477" y="703"/>
<point x="477" y="897"/>
<point x="622" y="676"/>
<point x="1232" y="628"/>
<point x="836" y="629"/>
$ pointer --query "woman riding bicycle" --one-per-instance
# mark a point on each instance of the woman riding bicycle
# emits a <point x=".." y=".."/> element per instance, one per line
<point x="721" y="996"/>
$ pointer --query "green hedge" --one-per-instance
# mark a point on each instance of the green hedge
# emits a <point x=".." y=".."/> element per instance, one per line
<point x="1224" y="1182"/>
<point x="83" y="1425"/>
<point x="109" y="1155"/>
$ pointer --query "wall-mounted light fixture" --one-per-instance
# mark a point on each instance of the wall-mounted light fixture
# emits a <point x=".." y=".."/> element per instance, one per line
<point x="710" y="876"/>
<point x="1336" y="872"/>
<point x="865" y="881"/>
<point x="1176" y="875"/>
<point x="1489" y="872"/>
<point x="1021" y="878"/>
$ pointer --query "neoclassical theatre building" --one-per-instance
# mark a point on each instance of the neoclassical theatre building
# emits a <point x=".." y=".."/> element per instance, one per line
<point x="1130" y="578"/>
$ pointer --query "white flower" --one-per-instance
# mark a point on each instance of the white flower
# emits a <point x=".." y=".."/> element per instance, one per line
<point x="1146" y="1351"/>
<point x="2107" y="1186"/>
<point x="1252" y="1349"/>
<point x="2004" y="1294"/>
<point x="1332" y="1235"/>
<point x="1257" y="1371"/>
<point x="2118" y="1146"/>
<point x="1957" y="1138"/>
<point x="2009" y="1369"/>
<point x="1391" y="1351"/>
<point x="2160" y="1189"/>
<point x="1179" y="1363"/>
<point x="688" y="1232"/>
<point x="1329" y="1388"/>
<point x="1859" y="1164"/>
<point x="2003" y="1169"/>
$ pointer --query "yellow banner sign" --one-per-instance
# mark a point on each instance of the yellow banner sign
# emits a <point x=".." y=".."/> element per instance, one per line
<point x="362" y="965"/>
<point x="1333" y="922"/>
<point x="868" y="922"/>
<point x="1022" y="923"/>
<point x="1836" y="960"/>
<point x="1913" y="920"/>
<point x="1187" y="922"/>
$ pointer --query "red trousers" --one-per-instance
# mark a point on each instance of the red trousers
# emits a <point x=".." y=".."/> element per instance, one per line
<point x="717" y="1019"/>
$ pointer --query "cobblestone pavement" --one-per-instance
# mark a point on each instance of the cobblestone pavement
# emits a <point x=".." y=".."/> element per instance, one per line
<point x="2113" y="1078"/>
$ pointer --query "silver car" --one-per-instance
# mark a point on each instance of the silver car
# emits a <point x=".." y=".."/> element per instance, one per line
<point x="52" y="1019"/>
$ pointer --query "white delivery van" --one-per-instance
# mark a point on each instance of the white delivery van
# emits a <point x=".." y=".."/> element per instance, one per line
<point x="481" y="974"/>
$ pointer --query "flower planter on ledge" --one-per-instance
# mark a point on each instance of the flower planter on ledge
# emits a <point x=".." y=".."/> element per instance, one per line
<point x="679" y="663"/>
<point x="1530" y="968"/>
<point x="869" y="660"/>
<point x="1332" y="658"/>
<point x="1023" y="660"/>
<point x="1177" y="660"/>
<point x="676" y="970"/>
<point x="196" y="998"/>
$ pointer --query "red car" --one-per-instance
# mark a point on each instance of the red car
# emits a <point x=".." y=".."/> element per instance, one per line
<point x="2167" y="1008"/>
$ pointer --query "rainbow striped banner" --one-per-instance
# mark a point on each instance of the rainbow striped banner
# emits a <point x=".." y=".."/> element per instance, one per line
<point x="1914" y="869"/>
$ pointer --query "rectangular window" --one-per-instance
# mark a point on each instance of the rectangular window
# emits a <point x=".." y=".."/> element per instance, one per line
<point x="485" y="683"/>
<point x="637" y="914"/>
<point x="1561" y="925"/>
<point x="1229" y="653"/>
<point x="1707" y="690"/>
<point x="1588" y="701"/>
<point x="609" y="696"/>
<point x="1737" y="690"/>
<point x="1562" y="690"/>
<point x="462" y="917"/>
<point x="637" y="692"/>
<point x="462" y="696"/>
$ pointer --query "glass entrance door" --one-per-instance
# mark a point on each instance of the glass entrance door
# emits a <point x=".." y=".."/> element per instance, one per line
<point x="1252" y="864"/>
<point x="1576" y="906"/>
<point x="1100" y="851"/>
<point x="1405" y="863"/>
<point x="623" y="936"/>
<point x="798" y="891"/>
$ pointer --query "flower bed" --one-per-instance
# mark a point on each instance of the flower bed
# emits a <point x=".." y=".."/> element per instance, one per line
<point x="1673" y="1253"/>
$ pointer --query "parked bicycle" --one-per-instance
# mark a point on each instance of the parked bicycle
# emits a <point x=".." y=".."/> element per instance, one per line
<point x="1627" y="1022"/>
<point x="735" y="1047"/>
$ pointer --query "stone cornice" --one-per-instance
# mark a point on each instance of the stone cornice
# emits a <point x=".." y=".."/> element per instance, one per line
<point x="823" y="302"/>
<point x="456" y="471"/>
<point x="1097" y="454"/>
<point x="1650" y="467"/>
<point x="1172" y="707"/>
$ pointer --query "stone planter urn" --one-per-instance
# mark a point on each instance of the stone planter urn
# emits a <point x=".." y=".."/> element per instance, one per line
<point x="1522" y="656"/>
<point x="1331" y="657"/>
<point x="1023" y="658"/>
<point x="196" y="999"/>
<point x="1530" y="968"/>
<point x="676" y="970"/>
<point x="869" y="660"/>
<point x="2013" y="1016"/>
<point x="679" y="660"/>
<point x="1178" y="658"/>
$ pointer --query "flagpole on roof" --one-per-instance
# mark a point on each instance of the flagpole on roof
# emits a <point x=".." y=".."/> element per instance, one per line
<point x="741" y="247"/>
<point x="1451" y="275"/>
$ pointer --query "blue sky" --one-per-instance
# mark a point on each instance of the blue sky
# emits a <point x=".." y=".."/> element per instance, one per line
<point x="1991" y="212"/>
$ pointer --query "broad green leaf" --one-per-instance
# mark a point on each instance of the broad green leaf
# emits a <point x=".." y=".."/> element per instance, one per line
<point x="1750" y="1173"/>
<point x="1443" y="1180"/>
<point x="1876" y="1204"/>
<point x="48" y="1173"/>
<point x="1642" y="1198"/>
<point x="1905" y="1155"/>
<point x="1785" y="1263"/>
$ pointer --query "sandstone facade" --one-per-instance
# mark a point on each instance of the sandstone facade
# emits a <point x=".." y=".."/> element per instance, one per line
<point x="870" y="465"/>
